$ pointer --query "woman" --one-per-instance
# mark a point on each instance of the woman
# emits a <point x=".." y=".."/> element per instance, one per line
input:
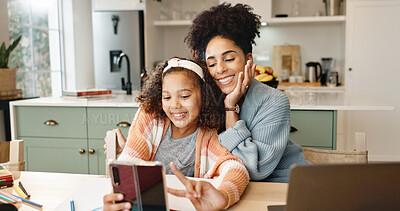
<point x="259" y="132"/>
<point x="176" y="124"/>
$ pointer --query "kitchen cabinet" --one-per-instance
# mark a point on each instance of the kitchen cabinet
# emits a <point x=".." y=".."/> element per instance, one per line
<point x="107" y="5"/>
<point x="306" y="11"/>
<point x="315" y="128"/>
<point x="68" y="139"/>
<point x="372" y="68"/>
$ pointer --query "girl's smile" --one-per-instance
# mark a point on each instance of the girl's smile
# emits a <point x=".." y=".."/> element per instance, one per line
<point x="181" y="102"/>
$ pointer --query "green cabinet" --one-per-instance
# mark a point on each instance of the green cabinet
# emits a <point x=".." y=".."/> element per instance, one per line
<point x="315" y="128"/>
<point x="68" y="139"/>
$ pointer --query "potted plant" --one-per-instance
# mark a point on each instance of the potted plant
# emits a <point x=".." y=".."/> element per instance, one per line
<point x="7" y="75"/>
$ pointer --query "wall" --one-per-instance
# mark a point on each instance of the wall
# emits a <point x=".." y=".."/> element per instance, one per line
<point x="78" y="44"/>
<point x="4" y="37"/>
<point x="316" y="40"/>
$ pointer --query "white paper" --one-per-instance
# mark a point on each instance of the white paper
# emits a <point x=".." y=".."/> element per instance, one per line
<point x="90" y="194"/>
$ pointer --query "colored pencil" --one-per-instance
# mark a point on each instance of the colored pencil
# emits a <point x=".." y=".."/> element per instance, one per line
<point x="28" y="201"/>
<point x="7" y="199"/>
<point x="10" y="196"/>
<point x="23" y="189"/>
<point x="72" y="204"/>
<point x="19" y="191"/>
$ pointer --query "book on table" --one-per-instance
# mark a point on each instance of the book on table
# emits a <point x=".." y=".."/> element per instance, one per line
<point x="86" y="92"/>
<point x="6" y="178"/>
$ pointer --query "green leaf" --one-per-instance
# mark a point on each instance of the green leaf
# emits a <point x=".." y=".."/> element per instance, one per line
<point x="14" y="44"/>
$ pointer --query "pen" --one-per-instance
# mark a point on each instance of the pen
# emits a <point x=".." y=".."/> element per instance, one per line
<point x="72" y="204"/>
<point x="23" y="189"/>
<point x="19" y="191"/>
<point x="28" y="201"/>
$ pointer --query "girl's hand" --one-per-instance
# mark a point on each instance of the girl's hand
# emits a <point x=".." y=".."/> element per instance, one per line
<point x="110" y="199"/>
<point x="202" y="194"/>
<point x="242" y="84"/>
<point x="121" y="141"/>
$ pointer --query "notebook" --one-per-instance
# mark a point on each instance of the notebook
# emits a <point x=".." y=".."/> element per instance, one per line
<point x="343" y="187"/>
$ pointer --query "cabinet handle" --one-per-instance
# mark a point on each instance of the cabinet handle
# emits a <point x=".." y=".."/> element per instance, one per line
<point x="293" y="129"/>
<point x="82" y="151"/>
<point x="92" y="151"/>
<point x="350" y="69"/>
<point x="50" y="122"/>
<point x="124" y="124"/>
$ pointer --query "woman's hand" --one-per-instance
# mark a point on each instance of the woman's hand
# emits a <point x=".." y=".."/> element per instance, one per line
<point x="121" y="141"/>
<point x="110" y="199"/>
<point x="202" y="194"/>
<point x="242" y="84"/>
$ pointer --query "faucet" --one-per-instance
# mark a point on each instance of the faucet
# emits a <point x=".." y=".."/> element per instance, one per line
<point x="128" y="86"/>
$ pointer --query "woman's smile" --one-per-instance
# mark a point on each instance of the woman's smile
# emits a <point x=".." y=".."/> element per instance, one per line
<point x="225" y="60"/>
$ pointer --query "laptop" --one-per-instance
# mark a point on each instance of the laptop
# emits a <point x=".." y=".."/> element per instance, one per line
<point x="343" y="187"/>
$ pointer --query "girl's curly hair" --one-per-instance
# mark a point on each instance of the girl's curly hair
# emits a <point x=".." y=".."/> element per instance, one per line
<point x="212" y="114"/>
<point x="237" y="23"/>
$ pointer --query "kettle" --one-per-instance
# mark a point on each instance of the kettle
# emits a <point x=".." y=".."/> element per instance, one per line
<point x="313" y="71"/>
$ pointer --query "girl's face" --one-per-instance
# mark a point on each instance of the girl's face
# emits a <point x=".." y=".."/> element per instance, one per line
<point x="181" y="100"/>
<point x="225" y="61"/>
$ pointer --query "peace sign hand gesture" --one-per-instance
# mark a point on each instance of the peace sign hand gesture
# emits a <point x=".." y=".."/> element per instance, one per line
<point x="202" y="194"/>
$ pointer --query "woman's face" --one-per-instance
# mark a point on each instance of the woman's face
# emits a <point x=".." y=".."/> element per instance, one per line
<point x="225" y="61"/>
<point x="181" y="100"/>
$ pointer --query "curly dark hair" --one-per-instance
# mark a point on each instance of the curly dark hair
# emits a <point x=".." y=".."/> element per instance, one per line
<point x="212" y="114"/>
<point x="237" y="23"/>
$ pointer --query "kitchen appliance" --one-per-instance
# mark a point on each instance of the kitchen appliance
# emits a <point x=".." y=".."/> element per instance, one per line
<point x="313" y="71"/>
<point x="118" y="36"/>
<point x="333" y="7"/>
<point x="327" y="64"/>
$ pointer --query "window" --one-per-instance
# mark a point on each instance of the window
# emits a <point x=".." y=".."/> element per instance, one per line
<point x="39" y="54"/>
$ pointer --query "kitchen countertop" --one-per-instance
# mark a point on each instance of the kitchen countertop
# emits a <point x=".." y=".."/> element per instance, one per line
<point x="112" y="100"/>
<point x="314" y="100"/>
<point x="307" y="86"/>
<point x="299" y="100"/>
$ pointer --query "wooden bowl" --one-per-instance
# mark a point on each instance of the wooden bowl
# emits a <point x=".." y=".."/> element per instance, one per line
<point x="273" y="83"/>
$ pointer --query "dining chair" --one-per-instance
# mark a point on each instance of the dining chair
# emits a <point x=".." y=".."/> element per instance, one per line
<point x="323" y="156"/>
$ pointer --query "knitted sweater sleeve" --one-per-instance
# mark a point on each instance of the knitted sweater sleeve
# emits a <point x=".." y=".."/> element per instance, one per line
<point x="262" y="146"/>
<point x="229" y="173"/>
<point x="136" y="148"/>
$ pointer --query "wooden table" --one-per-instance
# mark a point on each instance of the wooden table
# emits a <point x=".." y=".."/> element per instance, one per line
<point x="51" y="189"/>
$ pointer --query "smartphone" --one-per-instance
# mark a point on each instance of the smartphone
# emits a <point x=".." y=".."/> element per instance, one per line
<point x="123" y="179"/>
<point x="143" y="185"/>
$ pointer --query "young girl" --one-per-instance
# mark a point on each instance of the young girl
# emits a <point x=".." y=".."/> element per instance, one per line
<point x="177" y="123"/>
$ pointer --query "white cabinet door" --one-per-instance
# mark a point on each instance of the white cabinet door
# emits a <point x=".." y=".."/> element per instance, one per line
<point x="372" y="44"/>
<point x="373" y="68"/>
<point x="261" y="7"/>
<point x="118" y="5"/>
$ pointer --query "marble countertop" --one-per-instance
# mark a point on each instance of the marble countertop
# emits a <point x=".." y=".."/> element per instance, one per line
<point x="112" y="100"/>
<point x="299" y="100"/>
<point x="314" y="100"/>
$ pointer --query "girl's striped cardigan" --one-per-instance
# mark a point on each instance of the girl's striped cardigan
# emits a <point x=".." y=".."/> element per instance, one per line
<point x="212" y="159"/>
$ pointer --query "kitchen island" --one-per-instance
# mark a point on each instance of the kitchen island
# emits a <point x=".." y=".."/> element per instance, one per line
<point x="66" y="134"/>
<point x="314" y="115"/>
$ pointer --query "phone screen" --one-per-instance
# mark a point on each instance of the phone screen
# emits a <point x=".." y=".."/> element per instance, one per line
<point x="151" y="185"/>
<point x="130" y="179"/>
